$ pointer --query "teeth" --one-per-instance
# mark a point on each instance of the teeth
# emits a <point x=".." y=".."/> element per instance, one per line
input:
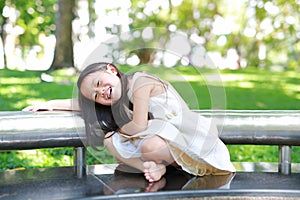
<point x="109" y="93"/>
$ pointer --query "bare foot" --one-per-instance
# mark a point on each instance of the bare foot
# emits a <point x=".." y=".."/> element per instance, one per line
<point x="153" y="172"/>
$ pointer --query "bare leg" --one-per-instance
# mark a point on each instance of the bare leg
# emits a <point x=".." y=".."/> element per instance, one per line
<point x="133" y="162"/>
<point x="155" y="151"/>
<point x="152" y="171"/>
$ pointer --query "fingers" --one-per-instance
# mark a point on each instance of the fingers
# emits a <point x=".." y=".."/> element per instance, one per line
<point x="38" y="107"/>
<point x="29" y="108"/>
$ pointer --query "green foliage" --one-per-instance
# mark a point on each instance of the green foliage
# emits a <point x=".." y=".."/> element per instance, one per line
<point x="254" y="25"/>
<point x="253" y="153"/>
<point x="36" y="17"/>
<point x="245" y="89"/>
<point x="273" y="24"/>
<point x="35" y="158"/>
<point x="10" y="160"/>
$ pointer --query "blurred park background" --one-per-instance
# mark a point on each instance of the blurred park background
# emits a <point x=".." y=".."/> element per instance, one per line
<point x="252" y="45"/>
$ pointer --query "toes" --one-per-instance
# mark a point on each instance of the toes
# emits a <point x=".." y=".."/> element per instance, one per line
<point x="152" y="171"/>
<point x="148" y="178"/>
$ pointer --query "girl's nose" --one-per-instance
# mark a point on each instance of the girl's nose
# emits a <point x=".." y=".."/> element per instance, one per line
<point x="99" y="91"/>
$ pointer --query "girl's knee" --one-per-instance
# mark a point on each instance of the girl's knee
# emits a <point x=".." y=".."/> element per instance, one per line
<point x="153" y="144"/>
<point x="156" y="149"/>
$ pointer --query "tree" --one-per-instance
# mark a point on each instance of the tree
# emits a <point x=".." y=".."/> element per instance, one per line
<point x="63" y="54"/>
<point x="3" y="21"/>
<point x="25" y="22"/>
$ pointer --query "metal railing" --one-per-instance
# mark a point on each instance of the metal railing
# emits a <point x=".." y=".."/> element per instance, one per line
<point x="26" y="130"/>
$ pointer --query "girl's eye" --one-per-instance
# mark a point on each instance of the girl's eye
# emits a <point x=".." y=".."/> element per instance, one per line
<point x="97" y="85"/>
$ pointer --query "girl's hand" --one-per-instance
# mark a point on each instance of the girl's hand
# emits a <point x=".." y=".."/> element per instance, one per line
<point x="44" y="106"/>
<point x="55" y="104"/>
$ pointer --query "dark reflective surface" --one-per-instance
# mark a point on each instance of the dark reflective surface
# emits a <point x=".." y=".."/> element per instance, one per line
<point x="107" y="181"/>
<point x="122" y="183"/>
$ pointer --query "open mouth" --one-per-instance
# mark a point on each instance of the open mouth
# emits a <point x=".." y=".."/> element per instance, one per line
<point x="108" y="93"/>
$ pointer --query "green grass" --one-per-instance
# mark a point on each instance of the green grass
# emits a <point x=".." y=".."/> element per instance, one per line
<point x="247" y="89"/>
<point x="19" y="88"/>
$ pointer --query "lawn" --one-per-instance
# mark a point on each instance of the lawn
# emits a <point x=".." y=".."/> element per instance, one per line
<point x="245" y="89"/>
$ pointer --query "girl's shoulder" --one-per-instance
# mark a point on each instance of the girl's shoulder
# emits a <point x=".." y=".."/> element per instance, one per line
<point x="146" y="75"/>
<point x="144" y="79"/>
<point x="143" y="74"/>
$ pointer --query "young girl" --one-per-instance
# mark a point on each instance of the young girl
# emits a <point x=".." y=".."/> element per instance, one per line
<point x="147" y="125"/>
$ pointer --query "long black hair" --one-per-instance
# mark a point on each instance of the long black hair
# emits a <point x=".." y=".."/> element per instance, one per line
<point x="100" y="119"/>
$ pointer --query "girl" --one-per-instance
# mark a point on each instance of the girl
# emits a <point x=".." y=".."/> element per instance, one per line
<point x="147" y="125"/>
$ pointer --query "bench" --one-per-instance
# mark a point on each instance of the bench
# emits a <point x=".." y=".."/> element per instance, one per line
<point x="21" y="130"/>
<point x="26" y="130"/>
<point x="261" y="127"/>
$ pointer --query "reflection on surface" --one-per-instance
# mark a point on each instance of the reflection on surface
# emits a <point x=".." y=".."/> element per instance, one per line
<point x="119" y="181"/>
<point x="103" y="180"/>
<point x="209" y="182"/>
<point x="175" y="179"/>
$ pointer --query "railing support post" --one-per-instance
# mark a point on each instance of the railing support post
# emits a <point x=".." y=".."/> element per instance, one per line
<point x="79" y="161"/>
<point x="284" y="160"/>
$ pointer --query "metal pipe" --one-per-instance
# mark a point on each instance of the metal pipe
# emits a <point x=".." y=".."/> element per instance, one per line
<point x="79" y="161"/>
<point x="284" y="160"/>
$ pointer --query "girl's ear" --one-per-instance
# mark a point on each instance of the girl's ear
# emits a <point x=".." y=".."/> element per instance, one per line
<point x="111" y="69"/>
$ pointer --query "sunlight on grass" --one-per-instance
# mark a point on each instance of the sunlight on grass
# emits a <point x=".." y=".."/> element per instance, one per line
<point x="16" y="90"/>
<point x="32" y="101"/>
<point x="19" y="81"/>
<point x="246" y="84"/>
<point x="292" y="89"/>
<point x="232" y="77"/>
<point x="184" y="77"/>
<point x="261" y="88"/>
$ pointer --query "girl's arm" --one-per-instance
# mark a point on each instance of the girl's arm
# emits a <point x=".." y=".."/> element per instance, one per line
<point x="56" y="104"/>
<point x="144" y="88"/>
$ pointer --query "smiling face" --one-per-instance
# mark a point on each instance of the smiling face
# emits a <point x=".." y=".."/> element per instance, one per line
<point x="103" y="87"/>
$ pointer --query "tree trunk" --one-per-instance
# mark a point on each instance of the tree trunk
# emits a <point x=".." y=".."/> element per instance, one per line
<point x="63" y="53"/>
<point x="2" y="31"/>
<point x="3" y="39"/>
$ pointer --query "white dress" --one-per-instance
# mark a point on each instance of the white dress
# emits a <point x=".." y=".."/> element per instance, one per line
<point x="192" y="139"/>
